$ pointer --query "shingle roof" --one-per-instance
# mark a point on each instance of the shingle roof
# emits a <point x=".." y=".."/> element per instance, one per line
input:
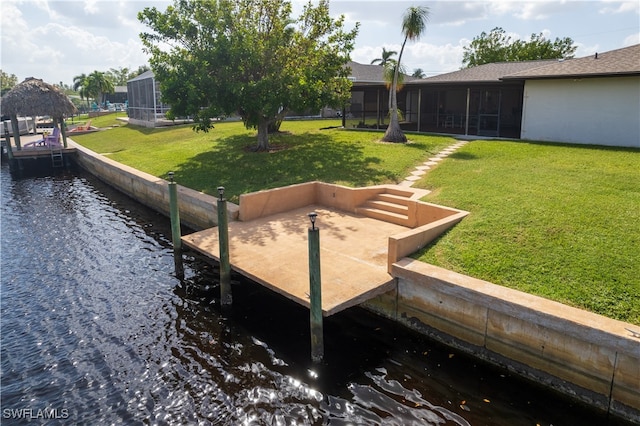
<point x="487" y="73"/>
<point x="362" y="73"/>
<point x="625" y="61"/>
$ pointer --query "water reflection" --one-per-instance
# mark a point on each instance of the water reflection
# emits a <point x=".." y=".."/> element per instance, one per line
<point x="97" y="329"/>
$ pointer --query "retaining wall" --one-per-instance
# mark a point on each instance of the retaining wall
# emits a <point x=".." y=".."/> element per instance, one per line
<point x="197" y="210"/>
<point x="578" y="353"/>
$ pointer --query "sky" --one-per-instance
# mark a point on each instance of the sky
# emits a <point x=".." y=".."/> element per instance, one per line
<point x="57" y="40"/>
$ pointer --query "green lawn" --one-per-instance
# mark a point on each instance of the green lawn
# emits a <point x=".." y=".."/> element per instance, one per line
<point x="107" y="120"/>
<point x="303" y="151"/>
<point x="562" y="222"/>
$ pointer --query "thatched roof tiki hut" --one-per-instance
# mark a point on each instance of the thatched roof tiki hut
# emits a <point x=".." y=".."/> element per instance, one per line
<point x="34" y="97"/>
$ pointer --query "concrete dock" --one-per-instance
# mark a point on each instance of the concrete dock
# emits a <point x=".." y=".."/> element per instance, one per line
<point x="273" y="251"/>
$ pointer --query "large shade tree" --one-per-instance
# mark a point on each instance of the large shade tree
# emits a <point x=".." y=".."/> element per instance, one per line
<point x="414" y="23"/>
<point x="247" y="57"/>
<point x="498" y="46"/>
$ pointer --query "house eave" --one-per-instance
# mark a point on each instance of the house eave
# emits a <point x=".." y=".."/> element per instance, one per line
<point x="570" y="76"/>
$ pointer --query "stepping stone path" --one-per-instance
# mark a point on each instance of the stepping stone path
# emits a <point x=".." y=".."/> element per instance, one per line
<point x="422" y="169"/>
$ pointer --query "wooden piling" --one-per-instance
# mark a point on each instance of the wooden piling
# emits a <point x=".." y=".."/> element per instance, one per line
<point x="7" y="138"/>
<point x="315" y="293"/>
<point x="223" y="237"/>
<point x="175" y="225"/>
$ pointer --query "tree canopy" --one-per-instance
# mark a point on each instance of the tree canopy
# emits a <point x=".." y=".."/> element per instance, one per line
<point x="93" y="85"/>
<point x="247" y="57"/>
<point x="7" y="81"/>
<point x="497" y="46"/>
<point x="120" y="76"/>
<point x="386" y="57"/>
<point x="418" y="73"/>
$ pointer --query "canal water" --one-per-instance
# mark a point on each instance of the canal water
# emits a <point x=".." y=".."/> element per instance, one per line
<point x="97" y="329"/>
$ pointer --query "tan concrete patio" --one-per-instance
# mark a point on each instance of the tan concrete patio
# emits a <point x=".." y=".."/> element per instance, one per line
<point x="273" y="251"/>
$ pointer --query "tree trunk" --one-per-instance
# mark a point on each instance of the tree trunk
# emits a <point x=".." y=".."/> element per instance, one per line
<point x="394" y="133"/>
<point x="274" y="126"/>
<point x="263" y="135"/>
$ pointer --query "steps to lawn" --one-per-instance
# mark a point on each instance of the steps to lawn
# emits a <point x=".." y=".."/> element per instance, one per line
<point x="391" y="206"/>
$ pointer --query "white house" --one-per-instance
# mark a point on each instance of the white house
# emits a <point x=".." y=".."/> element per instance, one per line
<point x="591" y="100"/>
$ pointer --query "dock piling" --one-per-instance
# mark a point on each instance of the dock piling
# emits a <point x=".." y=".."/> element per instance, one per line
<point x="223" y="237"/>
<point x="7" y="138"/>
<point x="315" y="294"/>
<point x="175" y="225"/>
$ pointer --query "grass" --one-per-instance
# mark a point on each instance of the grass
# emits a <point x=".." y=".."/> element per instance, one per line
<point x="562" y="222"/>
<point x="304" y="151"/>
<point x="107" y="120"/>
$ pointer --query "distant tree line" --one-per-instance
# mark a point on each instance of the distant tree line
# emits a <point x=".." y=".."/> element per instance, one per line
<point x="497" y="46"/>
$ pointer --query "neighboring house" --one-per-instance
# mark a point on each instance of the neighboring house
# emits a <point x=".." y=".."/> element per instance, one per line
<point x="591" y="100"/>
<point x="535" y="100"/>
<point x="144" y="105"/>
<point x="119" y="95"/>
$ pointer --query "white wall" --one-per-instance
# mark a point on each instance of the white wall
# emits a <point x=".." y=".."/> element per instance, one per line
<point x="600" y="111"/>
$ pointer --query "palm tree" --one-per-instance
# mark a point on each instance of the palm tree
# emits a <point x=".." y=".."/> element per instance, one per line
<point x="414" y="22"/>
<point x="418" y="73"/>
<point x="97" y="84"/>
<point x="386" y="57"/>
<point x="80" y="85"/>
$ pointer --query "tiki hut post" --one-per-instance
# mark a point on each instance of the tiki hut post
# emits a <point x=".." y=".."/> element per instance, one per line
<point x="7" y="136"/>
<point x="34" y="97"/>
<point x="63" y="131"/>
<point x="15" y="126"/>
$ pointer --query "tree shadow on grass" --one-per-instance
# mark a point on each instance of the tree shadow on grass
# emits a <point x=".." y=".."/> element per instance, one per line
<point x="299" y="158"/>
<point x="151" y="130"/>
<point x="463" y="156"/>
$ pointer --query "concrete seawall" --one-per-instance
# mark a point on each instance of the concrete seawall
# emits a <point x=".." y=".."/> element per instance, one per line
<point x="579" y="353"/>
<point x="584" y="355"/>
<point x="197" y="210"/>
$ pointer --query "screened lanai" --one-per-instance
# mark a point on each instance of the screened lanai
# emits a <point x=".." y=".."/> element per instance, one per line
<point x="474" y="101"/>
<point x="145" y="107"/>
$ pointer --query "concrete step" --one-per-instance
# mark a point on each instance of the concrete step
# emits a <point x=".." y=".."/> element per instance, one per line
<point x="392" y="198"/>
<point x="397" y="218"/>
<point x="398" y="191"/>
<point x="387" y="206"/>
